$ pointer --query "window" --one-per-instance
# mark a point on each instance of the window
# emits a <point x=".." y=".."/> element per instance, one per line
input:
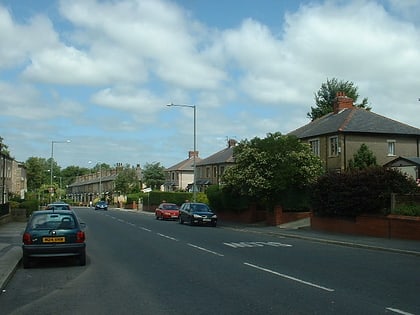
<point x="208" y="172"/>
<point x="314" y="143"/>
<point x="333" y="148"/>
<point x="391" y="147"/>
<point x="214" y="171"/>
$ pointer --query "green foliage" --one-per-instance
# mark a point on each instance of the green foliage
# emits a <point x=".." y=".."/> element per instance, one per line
<point x="221" y="199"/>
<point x="359" y="191"/>
<point x="37" y="172"/>
<point x="30" y="205"/>
<point x="265" y="168"/>
<point x="157" y="197"/>
<point x="363" y="158"/>
<point x="407" y="209"/>
<point x="127" y="181"/>
<point x="324" y="98"/>
<point x="154" y="175"/>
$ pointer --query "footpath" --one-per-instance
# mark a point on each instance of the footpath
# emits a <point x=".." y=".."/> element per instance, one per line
<point x="11" y="241"/>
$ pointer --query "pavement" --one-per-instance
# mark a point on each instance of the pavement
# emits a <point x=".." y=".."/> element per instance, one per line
<point x="11" y="241"/>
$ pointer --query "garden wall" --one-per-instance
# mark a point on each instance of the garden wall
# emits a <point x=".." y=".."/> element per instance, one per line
<point x="391" y="226"/>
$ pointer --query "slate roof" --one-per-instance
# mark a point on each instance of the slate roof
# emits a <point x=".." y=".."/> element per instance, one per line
<point x="355" y="120"/>
<point x="404" y="161"/>
<point x="221" y="157"/>
<point x="185" y="165"/>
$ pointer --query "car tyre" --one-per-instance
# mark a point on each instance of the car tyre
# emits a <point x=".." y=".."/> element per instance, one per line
<point x="181" y="221"/>
<point x="191" y="221"/>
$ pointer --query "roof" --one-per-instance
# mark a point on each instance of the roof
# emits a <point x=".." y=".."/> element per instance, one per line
<point x="355" y="120"/>
<point x="404" y="161"/>
<point x="221" y="157"/>
<point x="185" y="165"/>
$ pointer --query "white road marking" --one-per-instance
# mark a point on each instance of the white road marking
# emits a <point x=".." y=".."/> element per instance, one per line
<point x="395" y="310"/>
<point x="290" y="277"/>
<point x="145" y="229"/>
<point x="206" y="250"/>
<point x="256" y="244"/>
<point x="168" y="237"/>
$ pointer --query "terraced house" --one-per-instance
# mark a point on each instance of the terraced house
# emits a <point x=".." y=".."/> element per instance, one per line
<point x="337" y="136"/>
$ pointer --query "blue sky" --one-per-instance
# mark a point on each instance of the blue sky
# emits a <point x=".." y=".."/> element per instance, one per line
<point x="101" y="72"/>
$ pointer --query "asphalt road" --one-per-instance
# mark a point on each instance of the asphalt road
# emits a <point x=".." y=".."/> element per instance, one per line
<point x="137" y="265"/>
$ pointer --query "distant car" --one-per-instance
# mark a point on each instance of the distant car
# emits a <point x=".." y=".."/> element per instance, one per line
<point x="101" y="205"/>
<point x="53" y="233"/>
<point x="197" y="213"/>
<point x="168" y="211"/>
<point x="59" y="205"/>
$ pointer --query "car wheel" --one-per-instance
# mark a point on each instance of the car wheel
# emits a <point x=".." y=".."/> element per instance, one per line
<point x="26" y="262"/>
<point x="181" y="221"/>
<point x="157" y="217"/>
<point x="191" y="221"/>
<point x="82" y="259"/>
<point x="214" y="224"/>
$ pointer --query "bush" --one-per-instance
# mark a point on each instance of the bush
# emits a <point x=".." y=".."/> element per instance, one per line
<point x="361" y="191"/>
<point x="30" y="206"/>
<point x="408" y="209"/>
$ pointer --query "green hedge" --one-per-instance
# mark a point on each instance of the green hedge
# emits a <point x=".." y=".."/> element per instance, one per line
<point x="157" y="197"/>
<point x="352" y="193"/>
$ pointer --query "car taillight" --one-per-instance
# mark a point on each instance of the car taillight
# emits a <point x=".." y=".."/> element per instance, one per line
<point x="80" y="237"/>
<point x="27" y="239"/>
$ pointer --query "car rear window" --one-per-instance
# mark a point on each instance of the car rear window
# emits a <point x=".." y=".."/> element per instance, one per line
<point x="170" y="207"/>
<point x="57" y="207"/>
<point x="52" y="221"/>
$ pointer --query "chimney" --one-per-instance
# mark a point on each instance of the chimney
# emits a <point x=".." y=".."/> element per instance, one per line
<point x="342" y="101"/>
<point x="192" y="153"/>
<point x="231" y="143"/>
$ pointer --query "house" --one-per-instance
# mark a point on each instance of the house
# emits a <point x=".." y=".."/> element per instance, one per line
<point x="181" y="175"/>
<point x="337" y="136"/>
<point x="407" y="165"/>
<point x="211" y="169"/>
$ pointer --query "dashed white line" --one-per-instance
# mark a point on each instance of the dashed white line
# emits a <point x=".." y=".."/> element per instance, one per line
<point x="206" y="250"/>
<point x="290" y="277"/>
<point x="168" y="237"/>
<point x="145" y="229"/>
<point x="395" y="310"/>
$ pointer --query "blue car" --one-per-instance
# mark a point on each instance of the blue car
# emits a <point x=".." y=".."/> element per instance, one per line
<point x="101" y="205"/>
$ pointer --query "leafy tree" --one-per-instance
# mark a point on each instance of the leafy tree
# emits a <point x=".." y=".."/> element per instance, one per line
<point x="266" y="168"/>
<point x="363" y="158"/>
<point x="37" y="172"/>
<point x="324" y="98"/>
<point x="70" y="173"/>
<point x="127" y="181"/>
<point x="4" y="149"/>
<point x="154" y="175"/>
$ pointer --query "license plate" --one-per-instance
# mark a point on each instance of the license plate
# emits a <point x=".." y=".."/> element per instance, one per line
<point x="206" y="220"/>
<point x="60" y="239"/>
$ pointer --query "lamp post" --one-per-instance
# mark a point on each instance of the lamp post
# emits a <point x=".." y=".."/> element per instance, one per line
<point x="195" y="147"/>
<point x="52" y="159"/>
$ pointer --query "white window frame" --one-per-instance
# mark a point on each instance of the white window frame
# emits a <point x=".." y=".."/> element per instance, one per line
<point x="391" y="147"/>
<point x="333" y="146"/>
<point x="315" y="146"/>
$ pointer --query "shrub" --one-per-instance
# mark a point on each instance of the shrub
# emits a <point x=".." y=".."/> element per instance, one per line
<point x="407" y="209"/>
<point x="360" y="191"/>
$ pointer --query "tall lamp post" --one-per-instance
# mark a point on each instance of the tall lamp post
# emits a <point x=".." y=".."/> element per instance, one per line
<point x="195" y="147"/>
<point x="52" y="159"/>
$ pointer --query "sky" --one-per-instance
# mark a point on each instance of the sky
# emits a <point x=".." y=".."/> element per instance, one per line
<point x="100" y="73"/>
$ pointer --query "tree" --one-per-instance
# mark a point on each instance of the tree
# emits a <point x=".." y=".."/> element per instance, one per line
<point x="127" y="181"/>
<point x="154" y="175"/>
<point x="363" y="158"/>
<point x="37" y="172"/>
<point x="70" y="173"/>
<point x="324" y="98"/>
<point x="266" y="168"/>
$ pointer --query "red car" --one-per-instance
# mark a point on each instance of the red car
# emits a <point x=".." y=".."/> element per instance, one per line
<point x="168" y="211"/>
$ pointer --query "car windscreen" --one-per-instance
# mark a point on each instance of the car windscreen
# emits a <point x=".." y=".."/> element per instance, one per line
<point x="170" y="207"/>
<point x="52" y="221"/>
<point x="58" y="207"/>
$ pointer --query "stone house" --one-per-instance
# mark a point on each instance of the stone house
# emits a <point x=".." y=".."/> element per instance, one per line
<point x="211" y="169"/>
<point x="337" y="136"/>
<point x="181" y="175"/>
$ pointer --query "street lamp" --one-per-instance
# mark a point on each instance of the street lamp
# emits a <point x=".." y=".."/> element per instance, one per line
<point x="195" y="147"/>
<point x="52" y="159"/>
